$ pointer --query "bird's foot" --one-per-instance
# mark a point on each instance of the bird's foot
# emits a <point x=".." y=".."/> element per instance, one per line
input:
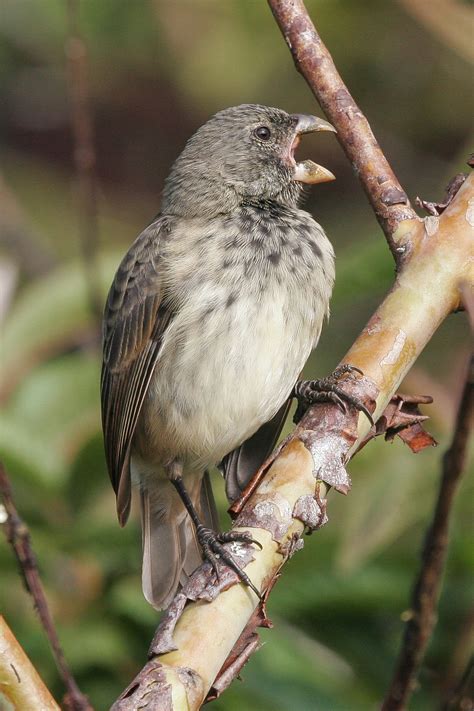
<point x="309" y="392"/>
<point x="213" y="548"/>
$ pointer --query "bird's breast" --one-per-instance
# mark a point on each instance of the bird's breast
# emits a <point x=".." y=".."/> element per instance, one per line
<point x="235" y="347"/>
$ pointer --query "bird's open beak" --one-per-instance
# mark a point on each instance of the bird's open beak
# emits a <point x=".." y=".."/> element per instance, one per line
<point x="307" y="171"/>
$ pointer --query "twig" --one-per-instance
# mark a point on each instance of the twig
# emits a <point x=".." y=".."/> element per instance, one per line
<point x="84" y="156"/>
<point x="428" y="583"/>
<point x="18" y="537"/>
<point x="312" y="59"/>
<point x="19" y="680"/>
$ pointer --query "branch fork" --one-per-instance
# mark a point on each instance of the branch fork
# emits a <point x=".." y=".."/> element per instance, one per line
<point x="196" y="637"/>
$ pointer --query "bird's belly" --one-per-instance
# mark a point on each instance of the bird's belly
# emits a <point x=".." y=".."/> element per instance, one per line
<point x="225" y="373"/>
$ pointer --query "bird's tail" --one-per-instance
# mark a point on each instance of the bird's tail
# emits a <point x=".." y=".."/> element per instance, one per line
<point x="171" y="551"/>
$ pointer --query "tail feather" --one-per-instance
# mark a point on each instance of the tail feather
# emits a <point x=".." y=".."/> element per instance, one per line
<point x="171" y="551"/>
<point x="161" y="554"/>
<point x="208" y="510"/>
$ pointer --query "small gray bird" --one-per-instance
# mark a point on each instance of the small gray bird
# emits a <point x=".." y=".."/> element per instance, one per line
<point x="210" y="319"/>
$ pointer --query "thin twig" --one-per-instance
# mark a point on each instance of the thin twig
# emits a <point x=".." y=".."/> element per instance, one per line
<point x="84" y="156"/>
<point x="428" y="583"/>
<point x="312" y="59"/>
<point x="18" y="537"/>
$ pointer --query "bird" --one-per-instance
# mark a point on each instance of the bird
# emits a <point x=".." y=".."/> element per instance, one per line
<point x="211" y="316"/>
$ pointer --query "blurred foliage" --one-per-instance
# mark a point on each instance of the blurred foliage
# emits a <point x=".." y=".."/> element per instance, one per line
<point x="157" y="69"/>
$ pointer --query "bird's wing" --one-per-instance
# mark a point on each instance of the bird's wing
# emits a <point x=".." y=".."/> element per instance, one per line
<point x="240" y="465"/>
<point x="135" y="319"/>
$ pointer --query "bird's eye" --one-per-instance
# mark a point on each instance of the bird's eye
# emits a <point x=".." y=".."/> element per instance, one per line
<point x="263" y="133"/>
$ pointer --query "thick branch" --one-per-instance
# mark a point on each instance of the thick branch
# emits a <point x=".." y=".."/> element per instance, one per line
<point x="312" y="59"/>
<point x="20" y="683"/>
<point x="424" y="293"/>
<point x="195" y="638"/>
<point x="19" y="538"/>
<point x="208" y="630"/>
<point x="428" y="583"/>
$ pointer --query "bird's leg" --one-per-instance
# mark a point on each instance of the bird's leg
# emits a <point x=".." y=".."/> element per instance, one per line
<point x="211" y="542"/>
<point x="308" y="392"/>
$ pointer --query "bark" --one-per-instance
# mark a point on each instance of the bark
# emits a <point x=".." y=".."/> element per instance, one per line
<point x="202" y="627"/>
<point x="387" y="197"/>
<point x="208" y="632"/>
<point x="20" y="684"/>
<point x="18" y="536"/>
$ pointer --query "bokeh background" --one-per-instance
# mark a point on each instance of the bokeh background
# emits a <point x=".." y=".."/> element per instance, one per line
<point x="157" y="70"/>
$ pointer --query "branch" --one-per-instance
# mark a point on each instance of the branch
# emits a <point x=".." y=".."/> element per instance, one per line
<point x="84" y="157"/>
<point x="19" y="680"/>
<point x="427" y="587"/>
<point x="208" y="632"/>
<point x="18" y="537"/>
<point x="195" y="639"/>
<point x="387" y="197"/>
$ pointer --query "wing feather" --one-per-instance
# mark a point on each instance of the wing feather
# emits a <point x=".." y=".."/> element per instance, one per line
<point x="135" y="320"/>
<point x="239" y="466"/>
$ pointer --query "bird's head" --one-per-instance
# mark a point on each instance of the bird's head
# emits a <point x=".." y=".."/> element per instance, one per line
<point x="244" y="153"/>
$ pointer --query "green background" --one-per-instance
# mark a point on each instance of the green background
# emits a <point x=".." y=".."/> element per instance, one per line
<point x="157" y="71"/>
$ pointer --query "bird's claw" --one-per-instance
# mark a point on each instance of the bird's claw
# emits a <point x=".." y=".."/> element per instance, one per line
<point x="212" y="545"/>
<point x="309" y="392"/>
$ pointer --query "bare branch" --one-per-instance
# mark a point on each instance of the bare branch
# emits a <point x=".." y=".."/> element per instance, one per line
<point x="186" y="654"/>
<point x="18" y="537"/>
<point x="19" y="680"/>
<point x="401" y="417"/>
<point x="84" y="156"/>
<point x="428" y="583"/>
<point x="312" y="59"/>
<point x="187" y="657"/>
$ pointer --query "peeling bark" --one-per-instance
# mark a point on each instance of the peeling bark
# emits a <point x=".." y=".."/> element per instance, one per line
<point x="200" y="636"/>
<point x="288" y="495"/>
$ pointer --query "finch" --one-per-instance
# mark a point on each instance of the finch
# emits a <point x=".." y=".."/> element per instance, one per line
<point x="210" y="319"/>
